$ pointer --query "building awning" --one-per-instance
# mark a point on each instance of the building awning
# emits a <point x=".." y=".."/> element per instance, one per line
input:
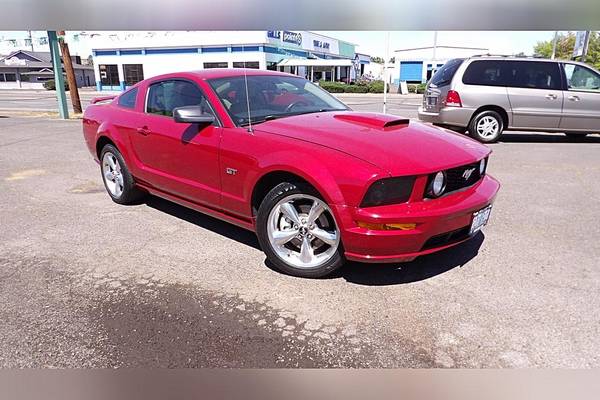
<point x="321" y="62"/>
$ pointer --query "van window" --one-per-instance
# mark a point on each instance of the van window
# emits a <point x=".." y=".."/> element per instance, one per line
<point x="581" y="78"/>
<point x="536" y="75"/>
<point x="444" y="75"/>
<point x="488" y="73"/>
<point x="127" y="99"/>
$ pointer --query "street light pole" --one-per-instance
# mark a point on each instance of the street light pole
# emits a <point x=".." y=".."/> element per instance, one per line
<point x="59" y="81"/>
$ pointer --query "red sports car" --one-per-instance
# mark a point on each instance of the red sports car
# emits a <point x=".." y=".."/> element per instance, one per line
<point x="276" y="154"/>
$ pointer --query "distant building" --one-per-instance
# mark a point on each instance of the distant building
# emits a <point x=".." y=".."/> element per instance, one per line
<point x="417" y="65"/>
<point x="129" y="57"/>
<point x="29" y="70"/>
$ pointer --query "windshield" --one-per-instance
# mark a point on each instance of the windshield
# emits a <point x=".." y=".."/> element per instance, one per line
<point x="444" y="75"/>
<point x="271" y="96"/>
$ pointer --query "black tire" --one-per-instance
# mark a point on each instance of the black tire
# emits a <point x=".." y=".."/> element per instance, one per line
<point x="575" y="137"/>
<point x="486" y="139"/>
<point x="131" y="194"/>
<point x="271" y="199"/>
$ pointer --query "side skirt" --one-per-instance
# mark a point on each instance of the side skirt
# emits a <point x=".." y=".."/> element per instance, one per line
<point x="242" y="223"/>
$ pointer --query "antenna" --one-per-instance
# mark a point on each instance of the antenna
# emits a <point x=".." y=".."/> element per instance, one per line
<point x="247" y="94"/>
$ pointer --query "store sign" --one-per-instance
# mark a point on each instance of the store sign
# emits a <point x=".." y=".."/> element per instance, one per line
<point x="292" y="37"/>
<point x="274" y="34"/>
<point x="317" y="44"/>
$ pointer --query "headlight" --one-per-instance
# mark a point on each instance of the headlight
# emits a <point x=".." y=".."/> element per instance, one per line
<point x="389" y="191"/>
<point x="438" y="184"/>
<point x="482" y="165"/>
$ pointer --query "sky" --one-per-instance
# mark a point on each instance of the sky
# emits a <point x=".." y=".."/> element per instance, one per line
<point x="499" y="42"/>
<point x="373" y="42"/>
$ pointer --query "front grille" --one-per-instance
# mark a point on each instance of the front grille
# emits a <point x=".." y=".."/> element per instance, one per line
<point x="457" y="178"/>
<point x="447" y="238"/>
<point x="462" y="177"/>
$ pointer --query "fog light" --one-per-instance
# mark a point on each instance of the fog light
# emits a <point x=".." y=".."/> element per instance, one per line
<point x="386" y="227"/>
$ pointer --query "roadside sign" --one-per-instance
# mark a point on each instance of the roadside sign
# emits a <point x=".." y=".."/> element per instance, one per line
<point x="403" y="87"/>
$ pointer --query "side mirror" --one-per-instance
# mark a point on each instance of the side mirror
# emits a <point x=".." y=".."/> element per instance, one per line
<point x="192" y="115"/>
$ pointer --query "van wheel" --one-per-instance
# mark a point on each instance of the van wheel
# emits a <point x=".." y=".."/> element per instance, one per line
<point x="486" y="127"/>
<point x="298" y="232"/>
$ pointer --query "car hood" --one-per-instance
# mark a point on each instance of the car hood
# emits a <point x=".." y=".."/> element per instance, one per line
<point x="395" y="144"/>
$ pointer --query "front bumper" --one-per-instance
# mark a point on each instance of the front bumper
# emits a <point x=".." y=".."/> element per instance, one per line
<point x="452" y="116"/>
<point x="434" y="218"/>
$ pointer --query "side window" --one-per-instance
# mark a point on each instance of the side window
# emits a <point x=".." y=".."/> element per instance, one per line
<point x="165" y="96"/>
<point x="488" y="73"/>
<point x="581" y="78"/>
<point x="536" y="75"/>
<point x="127" y="99"/>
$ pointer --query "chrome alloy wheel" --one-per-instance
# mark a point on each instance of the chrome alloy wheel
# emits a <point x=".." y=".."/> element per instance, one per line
<point x="487" y="127"/>
<point x="302" y="231"/>
<point x="111" y="172"/>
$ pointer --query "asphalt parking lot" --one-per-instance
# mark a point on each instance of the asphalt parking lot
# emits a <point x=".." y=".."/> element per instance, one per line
<point x="85" y="282"/>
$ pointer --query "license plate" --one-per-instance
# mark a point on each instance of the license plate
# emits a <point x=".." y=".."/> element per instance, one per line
<point x="480" y="218"/>
<point x="431" y="101"/>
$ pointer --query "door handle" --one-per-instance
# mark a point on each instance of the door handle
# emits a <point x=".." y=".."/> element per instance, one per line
<point x="574" y="98"/>
<point x="551" y="96"/>
<point x="143" y="131"/>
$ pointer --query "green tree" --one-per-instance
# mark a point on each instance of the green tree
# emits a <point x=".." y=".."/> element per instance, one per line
<point x="564" y="48"/>
<point x="377" y="60"/>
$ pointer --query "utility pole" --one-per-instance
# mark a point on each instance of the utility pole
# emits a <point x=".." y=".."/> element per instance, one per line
<point x="74" y="92"/>
<point x="58" y="76"/>
<point x="554" y="45"/>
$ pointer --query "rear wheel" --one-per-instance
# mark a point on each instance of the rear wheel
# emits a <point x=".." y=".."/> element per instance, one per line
<point x="298" y="232"/>
<point x="486" y="127"/>
<point x="116" y="177"/>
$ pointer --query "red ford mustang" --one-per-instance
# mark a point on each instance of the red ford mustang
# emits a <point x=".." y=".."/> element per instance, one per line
<point x="276" y="154"/>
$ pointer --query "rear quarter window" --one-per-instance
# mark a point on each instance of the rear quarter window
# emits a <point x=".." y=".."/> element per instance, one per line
<point x="444" y="75"/>
<point x="127" y="99"/>
<point x="488" y="73"/>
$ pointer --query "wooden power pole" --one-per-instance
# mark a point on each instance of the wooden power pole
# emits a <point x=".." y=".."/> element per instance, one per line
<point x="66" y="56"/>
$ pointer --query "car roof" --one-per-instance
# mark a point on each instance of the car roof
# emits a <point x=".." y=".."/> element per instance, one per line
<point x="215" y="73"/>
<point x="514" y="58"/>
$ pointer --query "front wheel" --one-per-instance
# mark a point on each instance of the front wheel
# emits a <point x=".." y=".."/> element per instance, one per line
<point x="298" y="232"/>
<point x="486" y="126"/>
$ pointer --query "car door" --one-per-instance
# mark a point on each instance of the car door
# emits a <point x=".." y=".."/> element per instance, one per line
<point x="581" y="108"/>
<point x="179" y="158"/>
<point x="535" y="94"/>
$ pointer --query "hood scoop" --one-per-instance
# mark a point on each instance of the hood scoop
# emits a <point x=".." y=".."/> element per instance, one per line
<point x="375" y="120"/>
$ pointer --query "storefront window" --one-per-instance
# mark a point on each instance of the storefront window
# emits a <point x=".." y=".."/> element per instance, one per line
<point x="271" y="66"/>
<point x="109" y="74"/>
<point x="247" y="64"/>
<point x="10" y="77"/>
<point x="133" y="73"/>
<point x="215" y="65"/>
